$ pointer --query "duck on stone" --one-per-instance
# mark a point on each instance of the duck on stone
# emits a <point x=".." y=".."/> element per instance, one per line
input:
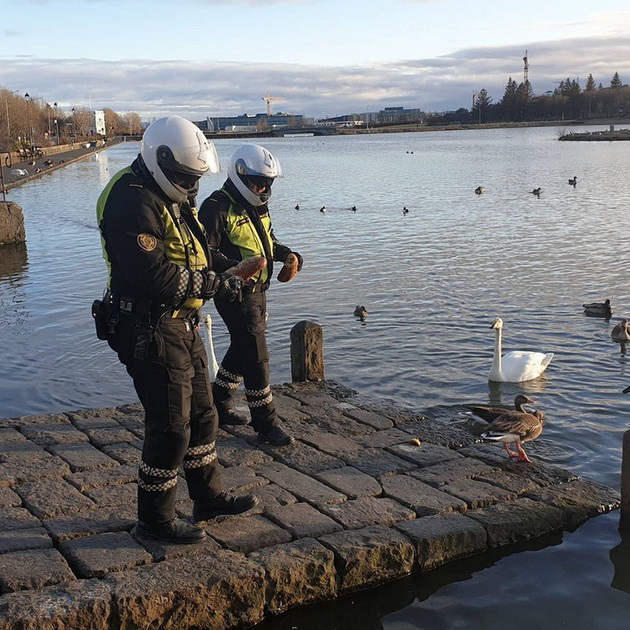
<point x="489" y="413"/>
<point x="515" y="427"/>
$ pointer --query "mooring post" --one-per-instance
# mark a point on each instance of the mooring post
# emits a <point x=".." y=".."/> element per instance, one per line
<point x="307" y="352"/>
<point x="625" y="482"/>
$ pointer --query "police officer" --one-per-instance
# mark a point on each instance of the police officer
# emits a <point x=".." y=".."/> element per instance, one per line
<point x="238" y="225"/>
<point x="160" y="273"/>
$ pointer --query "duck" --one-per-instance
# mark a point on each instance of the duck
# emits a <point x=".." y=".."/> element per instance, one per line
<point x="516" y="366"/>
<point x="297" y="206"/>
<point x="361" y="312"/>
<point x="322" y="209"/>
<point x="213" y="366"/>
<point x="515" y="427"/>
<point x="573" y="181"/>
<point x="479" y="190"/>
<point x="488" y="413"/>
<point x="405" y="210"/>
<point x="354" y="208"/>
<point x="598" y="309"/>
<point x="621" y="334"/>
<point x="537" y="192"/>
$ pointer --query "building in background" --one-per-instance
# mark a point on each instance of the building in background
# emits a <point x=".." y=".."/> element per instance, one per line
<point x="250" y="122"/>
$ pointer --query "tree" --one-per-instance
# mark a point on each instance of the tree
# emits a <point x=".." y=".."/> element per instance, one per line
<point x="616" y="81"/>
<point x="482" y="102"/>
<point x="590" y="84"/>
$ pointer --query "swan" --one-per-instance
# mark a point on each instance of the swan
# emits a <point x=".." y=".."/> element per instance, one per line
<point x="488" y="413"/>
<point x="598" y="309"/>
<point x="213" y="366"/>
<point x="515" y="427"/>
<point x="515" y="366"/>
<point x="621" y="334"/>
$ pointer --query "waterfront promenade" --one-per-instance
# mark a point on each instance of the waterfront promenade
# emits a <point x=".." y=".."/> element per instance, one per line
<point x="369" y="493"/>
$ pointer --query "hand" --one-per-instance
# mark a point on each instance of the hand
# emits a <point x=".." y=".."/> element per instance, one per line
<point x="300" y="260"/>
<point x="209" y="283"/>
<point x="229" y="287"/>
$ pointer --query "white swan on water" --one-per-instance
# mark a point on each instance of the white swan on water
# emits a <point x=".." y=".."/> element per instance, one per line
<point x="515" y="366"/>
<point x="213" y="366"/>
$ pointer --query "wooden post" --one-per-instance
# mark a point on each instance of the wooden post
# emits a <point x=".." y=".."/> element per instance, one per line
<point x="625" y="482"/>
<point x="307" y="352"/>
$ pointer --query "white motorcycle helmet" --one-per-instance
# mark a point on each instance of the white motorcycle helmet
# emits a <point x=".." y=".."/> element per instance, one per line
<point x="253" y="170"/>
<point x="177" y="154"/>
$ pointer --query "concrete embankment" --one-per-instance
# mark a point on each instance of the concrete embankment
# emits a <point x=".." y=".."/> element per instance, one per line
<point x="368" y="494"/>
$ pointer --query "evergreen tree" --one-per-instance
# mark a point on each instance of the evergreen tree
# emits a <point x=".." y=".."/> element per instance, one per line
<point x="590" y="84"/>
<point x="482" y="102"/>
<point x="616" y="81"/>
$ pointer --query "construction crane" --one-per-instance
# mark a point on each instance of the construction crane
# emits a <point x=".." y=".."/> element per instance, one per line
<point x="270" y="99"/>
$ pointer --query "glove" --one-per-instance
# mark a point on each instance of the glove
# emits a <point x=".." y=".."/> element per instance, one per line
<point x="300" y="260"/>
<point x="229" y="287"/>
<point x="208" y="283"/>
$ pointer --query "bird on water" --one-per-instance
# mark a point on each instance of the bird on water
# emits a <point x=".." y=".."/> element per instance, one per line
<point x="537" y="192"/>
<point x="518" y="365"/>
<point x="479" y="190"/>
<point x="621" y="334"/>
<point x="573" y="182"/>
<point x="515" y="427"/>
<point x="322" y="209"/>
<point x="405" y="210"/>
<point x="598" y="309"/>
<point x="361" y="312"/>
<point x="297" y="206"/>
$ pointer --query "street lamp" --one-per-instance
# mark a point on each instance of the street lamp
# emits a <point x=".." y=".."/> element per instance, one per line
<point x="56" y="122"/>
<point x="74" y="126"/>
<point x="27" y="96"/>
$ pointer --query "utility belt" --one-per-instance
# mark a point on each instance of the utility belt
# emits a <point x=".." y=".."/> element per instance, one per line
<point x="257" y="287"/>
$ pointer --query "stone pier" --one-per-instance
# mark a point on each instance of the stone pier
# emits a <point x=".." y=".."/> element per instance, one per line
<point x="368" y="494"/>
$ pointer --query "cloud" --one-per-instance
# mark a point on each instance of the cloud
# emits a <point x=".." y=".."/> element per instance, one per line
<point x="200" y="89"/>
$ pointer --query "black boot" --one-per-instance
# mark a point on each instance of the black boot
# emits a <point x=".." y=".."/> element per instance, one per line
<point x="231" y="418"/>
<point x="176" y="531"/>
<point x="276" y="435"/>
<point x="224" y="504"/>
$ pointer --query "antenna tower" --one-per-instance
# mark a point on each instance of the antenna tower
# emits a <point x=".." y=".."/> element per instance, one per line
<point x="525" y="69"/>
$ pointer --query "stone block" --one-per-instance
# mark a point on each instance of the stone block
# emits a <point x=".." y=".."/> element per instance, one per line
<point x="52" y="418"/>
<point x="477" y="493"/>
<point x="236" y="452"/>
<point x="17" y="518"/>
<point x="247" y="533"/>
<point x="10" y="435"/>
<point x="378" y="463"/>
<point x="302" y="520"/>
<point x="12" y="229"/>
<point x="491" y="454"/>
<point x="8" y="498"/>
<point x="52" y="497"/>
<point x="420" y="497"/>
<point x="330" y="443"/>
<point x="367" y="511"/>
<point x="125" y="453"/>
<point x="302" y="486"/>
<point x="100" y="436"/>
<point x="167" y="551"/>
<point x="218" y="590"/>
<point x="93" y="418"/>
<point x="109" y="496"/>
<point x="32" y="468"/>
<point x="511" y="522"/>
<point x="304" y="458"/>
<point x="82" y="457"/>
<point x="96" y="521"/>
<point x="381" y="439"/>
<point x="96" y="556"/>
<point x="425" y="454"/>
<point x="516" y="483"/>
<point x="272" y="495"/>
<point x="49" y="434"/>
<point x="329" y="420"/>
<point x="443" y="538"/>
<point x="31" y="569"/>
<point x="351" y="482"/>
<point x="307" y="352"/>
<point x="15" y="450"/>
<point x="440" y="433"/>
<point x="117" y="475"/>
<point x="453" y="470"/>
<point x="369" y="556"/>
<point x="21" y="539"/>
<point x="578" y="500"/>
<point x="374" y="420"/>
<point x="241" y="479"/>
<point x="289" y="409"/>
<point x="68" y="606"/>
<point x="297" y="573"/>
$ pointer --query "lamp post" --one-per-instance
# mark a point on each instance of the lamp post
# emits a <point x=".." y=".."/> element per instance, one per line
<point x="74" y="126"/>
<point x="56" y="122"/>
<point x="27" y="96"/>
<point x="48" y="112"/>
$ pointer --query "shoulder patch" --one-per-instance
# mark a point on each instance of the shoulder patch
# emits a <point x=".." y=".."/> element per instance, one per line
<point x="147" y="242"/>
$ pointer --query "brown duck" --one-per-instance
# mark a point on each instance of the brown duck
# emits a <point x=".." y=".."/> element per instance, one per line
<point x="621" y="334"/>
<point x="515" y="427"/>
<point x="489" y="413"/>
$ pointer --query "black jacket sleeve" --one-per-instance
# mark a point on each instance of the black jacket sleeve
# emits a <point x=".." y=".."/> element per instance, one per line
<point x="213" y="217"/>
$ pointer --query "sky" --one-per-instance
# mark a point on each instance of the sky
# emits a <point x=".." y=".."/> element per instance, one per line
<point x="320" y="58"/>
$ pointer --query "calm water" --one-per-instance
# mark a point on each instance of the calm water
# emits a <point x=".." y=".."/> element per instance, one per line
<point x="432" y="282"/>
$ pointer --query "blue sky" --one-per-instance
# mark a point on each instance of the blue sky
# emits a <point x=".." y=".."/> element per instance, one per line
<point x="324" y="58"/>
